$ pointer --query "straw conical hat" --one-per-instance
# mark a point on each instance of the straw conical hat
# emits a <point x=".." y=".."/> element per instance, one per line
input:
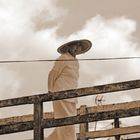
<point x="83" y="43"/>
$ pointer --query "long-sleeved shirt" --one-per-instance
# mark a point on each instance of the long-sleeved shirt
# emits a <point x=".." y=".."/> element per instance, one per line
<point x="64" y="75"/>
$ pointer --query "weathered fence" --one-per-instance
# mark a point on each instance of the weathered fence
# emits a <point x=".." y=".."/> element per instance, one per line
<point x="85" y="115"/>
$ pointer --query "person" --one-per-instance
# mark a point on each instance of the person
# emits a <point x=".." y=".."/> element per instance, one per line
<point x="64" y="76"/>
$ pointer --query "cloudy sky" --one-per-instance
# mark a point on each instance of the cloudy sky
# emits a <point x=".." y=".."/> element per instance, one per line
<point x="34" y="29"/>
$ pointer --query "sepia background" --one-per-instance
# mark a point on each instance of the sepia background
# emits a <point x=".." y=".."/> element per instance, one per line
<point x="34" y="29"/>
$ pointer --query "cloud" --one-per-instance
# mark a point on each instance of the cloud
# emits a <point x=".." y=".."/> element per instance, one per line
<point x="22" y="39"/>
<point x="21" y="34"/>
<point x="9" y="83"/>
<point x="22" y="22"/>
<point x="111" y="38"/>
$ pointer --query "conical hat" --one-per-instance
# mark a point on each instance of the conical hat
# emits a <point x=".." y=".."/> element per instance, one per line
<point x="83" y="43"/>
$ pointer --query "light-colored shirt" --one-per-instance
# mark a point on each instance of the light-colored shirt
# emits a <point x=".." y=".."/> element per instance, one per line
<point x="64" y="75"/>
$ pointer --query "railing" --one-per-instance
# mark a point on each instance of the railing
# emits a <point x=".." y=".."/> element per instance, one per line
<point x="85" y="114"/>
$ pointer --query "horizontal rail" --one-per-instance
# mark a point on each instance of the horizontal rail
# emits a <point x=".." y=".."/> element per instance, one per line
<point x="112" y="132"/>
<point x="91" y="117"/>
<point x="50" y="115"/>
<point x="99" y="113"/>
<point x="24" y="118"/>
<point x="114" y="87"/>
<point x="16" y="127"/>
<point x="132" y="139"/>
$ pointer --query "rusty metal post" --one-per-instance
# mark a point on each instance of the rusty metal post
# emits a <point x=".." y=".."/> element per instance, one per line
<point x="117" y="125"/>
<point x="38" y="116"/>
<point x="84" y="126"/>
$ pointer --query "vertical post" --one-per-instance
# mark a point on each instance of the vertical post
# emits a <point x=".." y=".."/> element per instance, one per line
<point x="117" y="125"/>
<point x="84" y="126"/>
<point x="38" y="116"/>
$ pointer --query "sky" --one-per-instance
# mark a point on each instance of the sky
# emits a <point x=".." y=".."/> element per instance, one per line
<point x="34" y="29"/>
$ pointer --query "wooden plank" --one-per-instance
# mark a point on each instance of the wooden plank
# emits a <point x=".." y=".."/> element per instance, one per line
<point x="86" y="118"/>
<point x="132" y="139"/>
<point x="117" y="125"/>
<point x="114" y="87"/>
<point x="83" y="128"/>
<point x="91" y="117"/>
<point x="113" y="132"/>
<point x="111" y="107"/>
<point x="49" y="115"/>
<point x="94" y="114"/>
<point x="38" y="116"/>
<point x="24" y="118"/>
<point x="16" y="127"/>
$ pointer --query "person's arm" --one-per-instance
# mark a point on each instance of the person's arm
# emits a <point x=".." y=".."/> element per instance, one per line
<point x="55" y="73"/>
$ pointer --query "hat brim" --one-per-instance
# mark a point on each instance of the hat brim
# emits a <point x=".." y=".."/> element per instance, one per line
<point x="84" y="44"/>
